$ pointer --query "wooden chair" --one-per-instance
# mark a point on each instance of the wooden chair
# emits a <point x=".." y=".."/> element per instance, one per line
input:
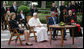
<point x="14" y="34"/>
<point x="31" y="28"/>
<point x="48" y="25"/>
<point x="47" y="22"/>
<point x="1" y="26"/>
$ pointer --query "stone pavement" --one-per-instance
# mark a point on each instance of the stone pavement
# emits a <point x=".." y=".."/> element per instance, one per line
<point x="5" y="35"/>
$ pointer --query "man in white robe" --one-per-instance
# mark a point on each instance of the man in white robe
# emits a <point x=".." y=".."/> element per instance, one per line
<point x="41" y="31"/>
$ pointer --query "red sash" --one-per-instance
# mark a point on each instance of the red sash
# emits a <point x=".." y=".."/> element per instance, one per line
<point x="78" y="25"/>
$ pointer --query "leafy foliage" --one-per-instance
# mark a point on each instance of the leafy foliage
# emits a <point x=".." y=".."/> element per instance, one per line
<point x="24" y="8"/>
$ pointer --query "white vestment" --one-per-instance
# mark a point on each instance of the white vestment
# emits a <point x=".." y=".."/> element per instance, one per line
<point x="41" y="31"/>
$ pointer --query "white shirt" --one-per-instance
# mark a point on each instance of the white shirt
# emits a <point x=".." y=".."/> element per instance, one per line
<point x="14" y="7"/>
<point x="23" y="17"/>
<point x="5" y="8"/>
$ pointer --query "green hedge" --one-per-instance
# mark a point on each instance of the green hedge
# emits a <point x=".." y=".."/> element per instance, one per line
<point x="24" y="8"/>
<point x="79" y="19"/>
<point x="42" y="17"/>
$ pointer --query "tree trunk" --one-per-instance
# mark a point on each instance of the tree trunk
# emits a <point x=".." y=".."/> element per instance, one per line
<point x="59" y="3"/>
<point x="55" y="2"/>
<point x="43" y="4"/>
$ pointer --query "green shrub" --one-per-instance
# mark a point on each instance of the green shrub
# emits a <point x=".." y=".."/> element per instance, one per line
<point x="43" y="21"/>
<point x="24" y="8"/>
<point x="79" y="19"/>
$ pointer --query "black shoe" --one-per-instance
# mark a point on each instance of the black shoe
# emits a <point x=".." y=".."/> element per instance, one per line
<point x="29" y="44"/>
<point x="64" y="39"/>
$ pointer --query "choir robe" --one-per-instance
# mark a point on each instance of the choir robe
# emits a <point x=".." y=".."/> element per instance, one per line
<point x="41" y="31"/>
<point x="77" y="30"/>
<point x="73" y="7"/>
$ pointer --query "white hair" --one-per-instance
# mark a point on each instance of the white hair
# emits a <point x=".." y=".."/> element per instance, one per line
<point x="34" y="14"/>
<point x="70" y="11"/>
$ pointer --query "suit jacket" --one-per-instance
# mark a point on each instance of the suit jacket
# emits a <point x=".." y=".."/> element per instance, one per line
<point x="61" y="13"/>
<point x="54" y="8"/>
<point x="62" y="8"/>
<point x="19" y="17"/>
<point x="51" y="22"/>
<point x="13" y="10"/>
<point x="3" y="11"/>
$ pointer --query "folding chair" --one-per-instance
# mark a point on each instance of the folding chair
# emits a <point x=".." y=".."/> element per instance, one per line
<point x="14" y="34"/>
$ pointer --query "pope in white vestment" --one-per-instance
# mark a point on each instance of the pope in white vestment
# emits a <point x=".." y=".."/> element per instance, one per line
<point x="41" y="31"/>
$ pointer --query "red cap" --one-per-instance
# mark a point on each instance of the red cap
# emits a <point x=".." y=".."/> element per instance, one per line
<point x="72" y="21"/>
<point x="73" y="10"/>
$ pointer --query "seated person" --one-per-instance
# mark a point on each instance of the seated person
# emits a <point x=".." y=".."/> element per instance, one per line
<point x="13" y="24"/>
<point x="53" y="21"/>
<point x="7" y="17"/>
<point x="70" y="19"/>
<point x="38" y="27"/>
<point x="22" y="18"/>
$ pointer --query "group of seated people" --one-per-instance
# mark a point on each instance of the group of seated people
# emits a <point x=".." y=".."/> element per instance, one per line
<point x="38" y="26"/>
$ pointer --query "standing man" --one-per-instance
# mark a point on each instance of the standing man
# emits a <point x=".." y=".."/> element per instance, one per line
<point x="73" y="6"/>
<point x="3" y="14"/>
<point x="54" y="9"/>
<point x="62" y="8"/>
<point x="33" y="9"/>
<point x="14" y="8"/>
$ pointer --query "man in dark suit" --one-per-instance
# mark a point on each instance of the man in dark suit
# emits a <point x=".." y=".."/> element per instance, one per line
<point x="22" y="18"/>
<point x="14" y="8"/>
<point x="3" y="14"/>
<point x="33" y="9"/>
<point x="62" y="7"/>
<point x="54" y="9"/>
<point x="53" y="21"/>
<point x="73" y="6"/>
